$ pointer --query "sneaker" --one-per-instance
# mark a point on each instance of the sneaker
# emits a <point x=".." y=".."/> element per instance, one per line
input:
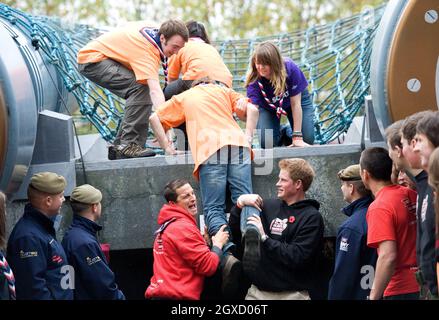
<point x="131" y="150"/>
<point x="231" y="276"/>
<point x="252" y="251"/>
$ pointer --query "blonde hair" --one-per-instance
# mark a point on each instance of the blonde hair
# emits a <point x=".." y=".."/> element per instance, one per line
<point x="267" y="53"/>
<point x="298" y="169"/>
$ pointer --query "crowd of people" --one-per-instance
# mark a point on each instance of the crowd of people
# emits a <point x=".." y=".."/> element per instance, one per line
<point x="272" y="248"/>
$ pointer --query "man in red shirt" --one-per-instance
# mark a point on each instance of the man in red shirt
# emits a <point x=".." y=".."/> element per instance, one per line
<point x="391" y="220"/>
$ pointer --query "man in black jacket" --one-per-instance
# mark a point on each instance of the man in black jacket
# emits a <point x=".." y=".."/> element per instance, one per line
<point x="94" y="279"/>
<point x="281" y="265"/>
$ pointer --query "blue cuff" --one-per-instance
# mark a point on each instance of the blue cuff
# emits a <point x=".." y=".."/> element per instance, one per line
<point x="217" y="250"/>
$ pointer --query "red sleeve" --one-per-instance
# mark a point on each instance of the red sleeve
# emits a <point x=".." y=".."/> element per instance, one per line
<point x="380" y="226"/>
<point x="194" y="250"/>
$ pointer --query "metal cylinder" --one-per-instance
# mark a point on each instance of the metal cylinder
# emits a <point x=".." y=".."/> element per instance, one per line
<point x="28" y="85"/>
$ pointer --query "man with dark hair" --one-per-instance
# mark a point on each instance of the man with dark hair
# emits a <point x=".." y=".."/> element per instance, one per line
<point x="408" y="138"/>
<point x="427" y="139"/>
<point x="354" y="261"/>
<point x="427" y="131"/>
<point x="37" y="258"/>
<point x="126" y="61"/>
<point x="94" y="279"/>
<point x="182" y="258"/>
<point x="391" y="224"/>
<point x="281" y="265"/>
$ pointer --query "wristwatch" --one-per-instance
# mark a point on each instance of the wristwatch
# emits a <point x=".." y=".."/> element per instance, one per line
<point x="264" y="237"/>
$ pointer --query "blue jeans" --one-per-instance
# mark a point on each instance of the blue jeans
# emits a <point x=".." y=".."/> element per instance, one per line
<point x="229" y="164"/>
<point x="269" y="120"/>
<point x="246" y="212"/>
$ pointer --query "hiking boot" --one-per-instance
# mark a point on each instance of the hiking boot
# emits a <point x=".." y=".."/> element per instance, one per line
<point x="231" y="276"/>
<point x="111" y="153"/>
<point x="131" y="150"/>
<point x="252" y="251"/>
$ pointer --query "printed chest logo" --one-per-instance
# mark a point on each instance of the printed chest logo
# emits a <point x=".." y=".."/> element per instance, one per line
<point x="424" y="208"/>
<point x="344" y="244"/>
<point x="277" y="226"/>
<point x="28" y="254"/>
<point x="411" y="207"/>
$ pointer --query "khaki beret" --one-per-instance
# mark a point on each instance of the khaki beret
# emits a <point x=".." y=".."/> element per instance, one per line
<point x="86" y="194"/>
<point x="350" y="173"/>
<point x="48" y="182"/>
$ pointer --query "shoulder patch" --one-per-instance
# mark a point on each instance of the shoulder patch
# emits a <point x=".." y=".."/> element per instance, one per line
<point x="91" y="261"/>
<point x="344" y="244"/>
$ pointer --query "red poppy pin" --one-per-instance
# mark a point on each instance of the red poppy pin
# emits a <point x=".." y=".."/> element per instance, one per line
<point x="291" y="219"/>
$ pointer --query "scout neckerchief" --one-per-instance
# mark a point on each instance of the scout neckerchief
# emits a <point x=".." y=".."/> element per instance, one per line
<point x="6" y="270"/>
<point x="152" y="35"/>
<point x="279" y="110"/>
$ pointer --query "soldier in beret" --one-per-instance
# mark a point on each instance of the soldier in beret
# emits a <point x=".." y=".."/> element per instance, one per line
<point x="353" y="259"/>
<point x="94" y="279"/>
<point x="37" y="258"/>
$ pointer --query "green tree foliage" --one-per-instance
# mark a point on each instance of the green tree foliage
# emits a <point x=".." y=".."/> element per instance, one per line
<point x="223" y="18"/>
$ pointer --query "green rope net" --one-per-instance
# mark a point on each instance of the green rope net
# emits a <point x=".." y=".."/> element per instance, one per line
<point x="334" y="57"/>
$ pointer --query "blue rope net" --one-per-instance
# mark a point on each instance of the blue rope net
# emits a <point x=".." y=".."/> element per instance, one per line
<point x="335" y="58"/>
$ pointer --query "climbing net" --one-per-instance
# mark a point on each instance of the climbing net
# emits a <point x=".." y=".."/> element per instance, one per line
<point x="335" y="57"/>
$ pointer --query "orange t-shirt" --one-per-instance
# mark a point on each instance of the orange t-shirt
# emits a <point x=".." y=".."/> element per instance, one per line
<point x="127" y="46"/>
<point x="392" y="216"/>
<point x="198" y="59"/>
<point x="208" y="111"/>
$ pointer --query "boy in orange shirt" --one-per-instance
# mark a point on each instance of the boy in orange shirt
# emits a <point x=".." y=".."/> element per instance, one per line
<point x="196" y="60"/>
<point x="126" y="61"/>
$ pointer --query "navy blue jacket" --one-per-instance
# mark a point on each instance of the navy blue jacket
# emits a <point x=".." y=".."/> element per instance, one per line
<point x="426" y="227"/>
<point x="94" y="279"/>
<point x="354" y="260"/>
<point x="38" y="259"/>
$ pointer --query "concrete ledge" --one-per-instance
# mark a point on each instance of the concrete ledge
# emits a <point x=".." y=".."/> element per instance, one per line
<point x="132" y="188"/>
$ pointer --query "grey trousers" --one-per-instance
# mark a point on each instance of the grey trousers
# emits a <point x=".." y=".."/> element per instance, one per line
<point x="176" y="87"/>
<point x="122" y="82"/>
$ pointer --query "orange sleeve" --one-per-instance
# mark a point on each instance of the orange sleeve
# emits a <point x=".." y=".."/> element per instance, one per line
<point x="171" y="113"/>
<point x="174" y="65"/>
<point x="146" y="66"/>
<point x="234" y="97"/>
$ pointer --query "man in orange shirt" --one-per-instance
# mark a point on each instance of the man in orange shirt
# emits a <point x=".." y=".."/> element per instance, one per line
<point x="391" y="220"/>
<point x="126" y="61"/>
<point x="220" y="149"/>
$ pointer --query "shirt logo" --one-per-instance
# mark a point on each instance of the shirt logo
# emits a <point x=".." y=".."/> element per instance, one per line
<point x="344" y="244"/>
<point x="277" y="226"/>
<point x="28" y="254"/>
<point x="424" y="208"/>
<point x="91" y="261"/>
<point x="57" y="259"/>
<point x="411" y="207"/>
